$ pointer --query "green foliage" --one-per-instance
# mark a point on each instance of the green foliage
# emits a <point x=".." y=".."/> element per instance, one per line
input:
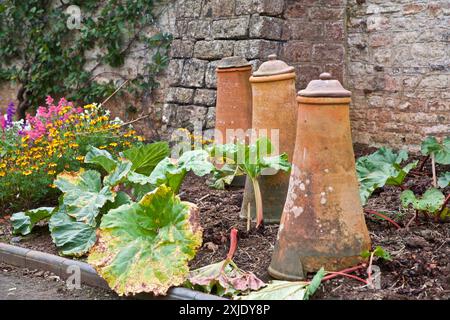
<point x="287" y="290"/>
<point x="146" y="246"/>
<point x="54" y="57"/>
<point x="441" y="151"/>
<point x="23" y="222"/>
<point x="146" y="157"/>
<point x="379" y="252"/>
<point x="431" y="202"/>
<point x="444" y="180"/>
<point x="381" y="168"/>
<point x="252" y="160"/>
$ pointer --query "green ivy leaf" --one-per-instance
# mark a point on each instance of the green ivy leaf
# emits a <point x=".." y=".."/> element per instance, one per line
<point x="146" y="246"/>
<point x="23" y="222"/>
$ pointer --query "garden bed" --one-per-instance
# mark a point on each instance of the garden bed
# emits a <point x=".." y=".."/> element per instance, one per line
<point x="420" y="268"/>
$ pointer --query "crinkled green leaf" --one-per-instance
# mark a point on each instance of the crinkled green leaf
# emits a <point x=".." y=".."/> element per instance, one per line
<point x="441" y="151"/>
<point x="224" y="176"/>
<point x="383" y="254"/>
<point x="71" y="237"/>
<point x="23" y="222"/>
<point x="223" y="279"/>
<point x="431" y="201"/>
<point x="84" y="195"/>
<point x="146" y="157"/>
<point x="146" y="246"/>
<point x="119" y="174"/>
<point x="381" y="168"/>
<point x="102" y="158"/>
<point x="444" y="180"/>
<point x="171" y="172"/>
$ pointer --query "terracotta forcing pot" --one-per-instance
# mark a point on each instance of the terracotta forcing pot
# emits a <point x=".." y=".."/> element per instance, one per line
<point x="323" y="222"/>
<point x="274" y="107"/>
<point x="234" y="100"/>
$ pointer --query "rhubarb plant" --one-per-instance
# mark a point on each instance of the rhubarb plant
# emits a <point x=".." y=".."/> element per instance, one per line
<point x="252" y="160"/>
<point x="224" y="278"/>
<point x="431" y="202"/>
<point x="146" y="246"/>
<point x="383" y="167"/>
<point x="438" y="152"/>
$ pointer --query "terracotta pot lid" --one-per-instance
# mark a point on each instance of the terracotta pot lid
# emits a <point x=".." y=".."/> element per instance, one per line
<point x="325" y="87"/>
<point x="273" y="67"/>
<point x="233" y="62"/>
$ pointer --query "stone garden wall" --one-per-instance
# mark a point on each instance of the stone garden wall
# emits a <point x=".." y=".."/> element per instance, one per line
<point x="398" y="67"/>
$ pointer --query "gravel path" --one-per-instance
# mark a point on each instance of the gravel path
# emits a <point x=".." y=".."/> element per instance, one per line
<point x="24" y="284"/>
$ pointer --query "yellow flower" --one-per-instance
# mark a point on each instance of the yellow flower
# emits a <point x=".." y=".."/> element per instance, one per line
<point x="140" y="138"/>
<point x="73" y="145"/>
<point x="52" y="186"/>
<point x="80" y="158"/>
<point x="52" y="165"/>
<point x="2" y="165"/>
<point x="27" y="173"/>
<point x="102" y="147"/>
<point x="51" y="172"/>
<point x="113" y="144"/>
<point x="2" y="173"/>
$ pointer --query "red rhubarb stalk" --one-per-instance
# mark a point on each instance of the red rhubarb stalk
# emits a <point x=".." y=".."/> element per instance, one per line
<point x="339" y="273"/>
<point x="233" y="244"/>
<point x="375" y="213"/>
<point x="259" y="203"/>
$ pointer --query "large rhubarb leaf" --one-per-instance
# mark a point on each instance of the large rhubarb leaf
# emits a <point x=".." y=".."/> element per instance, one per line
<point x="171" y="172"/>
<point x="441" y="151"/>
<point x="23" y="222"/>
<point x="101" y="158"/>
<point x="146" y="246"/>
<point x="84" y="195"/>
<point x="287" y="290"/>
<point x="381" y="168"/>
<point x="71" y="237"/>
<point x="146" y="157"/>
<point x="119" y="174"/>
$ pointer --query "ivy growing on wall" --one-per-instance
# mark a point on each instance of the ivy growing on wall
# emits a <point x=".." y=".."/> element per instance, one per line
<point x="43" y="54"/>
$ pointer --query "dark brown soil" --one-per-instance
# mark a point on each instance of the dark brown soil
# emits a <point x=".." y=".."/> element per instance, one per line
<point x="420" y="266"/>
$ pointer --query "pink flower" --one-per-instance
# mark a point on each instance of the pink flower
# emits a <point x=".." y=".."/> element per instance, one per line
<point x="49" y="100"/>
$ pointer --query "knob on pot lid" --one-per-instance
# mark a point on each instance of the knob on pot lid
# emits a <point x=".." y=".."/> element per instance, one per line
<point x="325" y="87"/>
<point x="233" y="62"/>
<point x="273" y="67"/>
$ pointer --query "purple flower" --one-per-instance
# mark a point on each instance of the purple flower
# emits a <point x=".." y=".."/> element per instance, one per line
<point x="10" y="114"/>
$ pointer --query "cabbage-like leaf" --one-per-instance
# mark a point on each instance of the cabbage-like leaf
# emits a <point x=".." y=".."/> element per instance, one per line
<point x="224" y="176"/>
<point x="146" y="157"/>
<point x="72" y="238"/>
<point x="146" y="246"/>
<point x="223" y="279"/>
<point x="441" y="151"/>
<point x="101" y="158"/>
<point x="286" y="290"/>
<point x="381" y="168"/>
<point x="23" y="222"/>
<point x="84" y="195"/>
<point x="171" y="172"/>
<point x="444" y="180"/>
<point x="431" y="201"/>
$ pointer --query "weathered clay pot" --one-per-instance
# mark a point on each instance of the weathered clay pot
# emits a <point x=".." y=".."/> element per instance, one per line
<point x="323" y="222"/>
<point x="234" y="100"/>
<point x="274" y="107"/>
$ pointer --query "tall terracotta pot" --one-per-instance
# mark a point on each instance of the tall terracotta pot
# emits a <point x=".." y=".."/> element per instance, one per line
<point x="234" y="100"/>
<point x="323" y="222"/>
<point x="274" y="107"/>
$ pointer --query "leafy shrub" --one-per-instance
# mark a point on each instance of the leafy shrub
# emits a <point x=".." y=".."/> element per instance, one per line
<point x="432" y="202"/>
<point x="54" y="140"/>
